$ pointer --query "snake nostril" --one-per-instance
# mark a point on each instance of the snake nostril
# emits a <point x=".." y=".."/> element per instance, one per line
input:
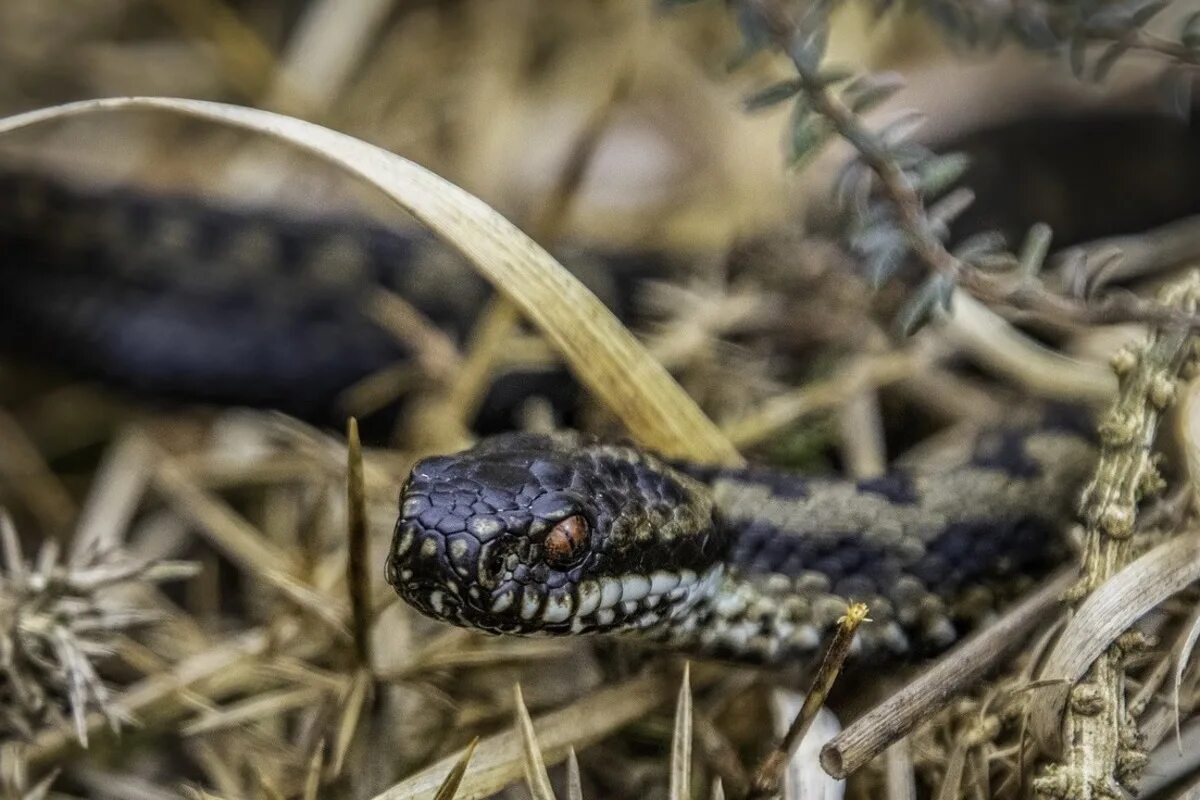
<point x="490" y="565"/>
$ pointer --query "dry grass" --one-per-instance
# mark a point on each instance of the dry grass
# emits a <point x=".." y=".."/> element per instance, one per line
<point x="286" y="669"/>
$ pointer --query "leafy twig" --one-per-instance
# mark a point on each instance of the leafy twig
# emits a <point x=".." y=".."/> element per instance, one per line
<point x="902" y="177"/>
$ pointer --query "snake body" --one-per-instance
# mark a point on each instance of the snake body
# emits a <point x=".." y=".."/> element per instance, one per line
<point x="169" y="296"/>
<point x="525" y="534"/>
<point x="564" y="535"/>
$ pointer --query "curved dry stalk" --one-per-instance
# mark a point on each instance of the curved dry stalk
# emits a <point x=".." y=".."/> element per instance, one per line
<point x="1002" y="349"/>
<point x="600" y="351"/>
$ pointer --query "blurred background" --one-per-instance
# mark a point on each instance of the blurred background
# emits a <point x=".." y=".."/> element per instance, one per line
<point x="599" y="127"/>
<point x="493" y="96"/>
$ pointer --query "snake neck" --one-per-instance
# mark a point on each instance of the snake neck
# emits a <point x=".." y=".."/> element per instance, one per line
<point x="932" y="553"/>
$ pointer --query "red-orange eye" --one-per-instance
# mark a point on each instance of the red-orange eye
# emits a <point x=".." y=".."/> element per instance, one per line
<point x="567" y="541"/>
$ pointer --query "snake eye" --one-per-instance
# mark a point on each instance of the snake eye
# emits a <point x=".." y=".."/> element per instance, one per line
<point x="567" y="541"/>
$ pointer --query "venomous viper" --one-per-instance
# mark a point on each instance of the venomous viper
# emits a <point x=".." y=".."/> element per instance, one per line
<point x="526" y="534"/>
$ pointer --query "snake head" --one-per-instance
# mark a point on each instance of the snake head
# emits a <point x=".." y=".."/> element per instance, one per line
<point x="553" y="534"/>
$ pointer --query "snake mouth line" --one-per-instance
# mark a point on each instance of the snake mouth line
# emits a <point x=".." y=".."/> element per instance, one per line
<point x="632" y="602"/>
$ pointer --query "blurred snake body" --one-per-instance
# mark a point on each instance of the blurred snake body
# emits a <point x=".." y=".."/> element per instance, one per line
<point x="531" y="535"/>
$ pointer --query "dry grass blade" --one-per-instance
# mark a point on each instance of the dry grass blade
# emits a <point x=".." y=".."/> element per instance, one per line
<point x="331" y="39"/>
<point x="1106" y="614"/>
<point x="312" y="779"/>
<point x="28" y="474"/>
<point x="230" y="533"/>
<point x="681" y="741"/>
<point x="435" y="657"/>
<point x="536" y="776"/>
<point x="41" y="789"/>
<point x="1181" y="662"/>
<point x="785" y="409"/>
<point x="901" y="783"/>
<point x="952" y="782"/>
<point x="574" y="782"/>
<point x="769" y="777"/>
<point x="498" y="760"/>
<point x="1004" y="350"/>
<point x="348" y="720"/>
<point x="605" y="356"/>
<point x="195" y="793"/>
<point x="10" y="548"/>
<point x="356" y="561"/>
<point x="449" y="788"/>
<point x="261" y="706"/>
<point x="116" y="492"/>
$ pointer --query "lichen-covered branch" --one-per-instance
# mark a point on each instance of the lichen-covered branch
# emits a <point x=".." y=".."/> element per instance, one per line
<point x="1102" y="750"/>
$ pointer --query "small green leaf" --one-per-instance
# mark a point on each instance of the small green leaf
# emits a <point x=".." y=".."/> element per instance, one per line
<point x="979" y="245"/>
<point x="864" y="93"/>
<point x="773" y="95"/>
<point x="882" y="264"/>
<point x="809" y="132"/>
<point x="901" y="130"/>
<point x="831" y="76"/>
<point x="1034" y="249"/>
<point x="936" y="175"/>
<point x="910" y="155"/>
<point x="752" y="25"/>
<point x="807" y="47"/>
<point x="931" y="298"/>
<point x="852" y="188"/>
<point x="878" y="235"/>
<point x="947" y="209"/>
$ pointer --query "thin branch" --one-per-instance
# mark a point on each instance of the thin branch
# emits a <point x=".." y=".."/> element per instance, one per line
<point x="1024" y="294"/>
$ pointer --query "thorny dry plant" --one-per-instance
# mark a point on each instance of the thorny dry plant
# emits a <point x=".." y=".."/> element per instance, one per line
<point x="58" y="619"/>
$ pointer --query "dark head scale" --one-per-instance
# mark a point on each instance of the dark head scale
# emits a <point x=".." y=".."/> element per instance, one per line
<point x="554" y="534"/>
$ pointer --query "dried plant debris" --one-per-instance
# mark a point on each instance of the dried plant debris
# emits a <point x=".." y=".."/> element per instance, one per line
<point x="286" y="668"/>
<point x="60" y="620"/>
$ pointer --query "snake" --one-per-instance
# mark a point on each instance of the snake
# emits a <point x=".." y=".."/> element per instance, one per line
<point x="168" y="296"/>
<point x="565" y="534"/>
